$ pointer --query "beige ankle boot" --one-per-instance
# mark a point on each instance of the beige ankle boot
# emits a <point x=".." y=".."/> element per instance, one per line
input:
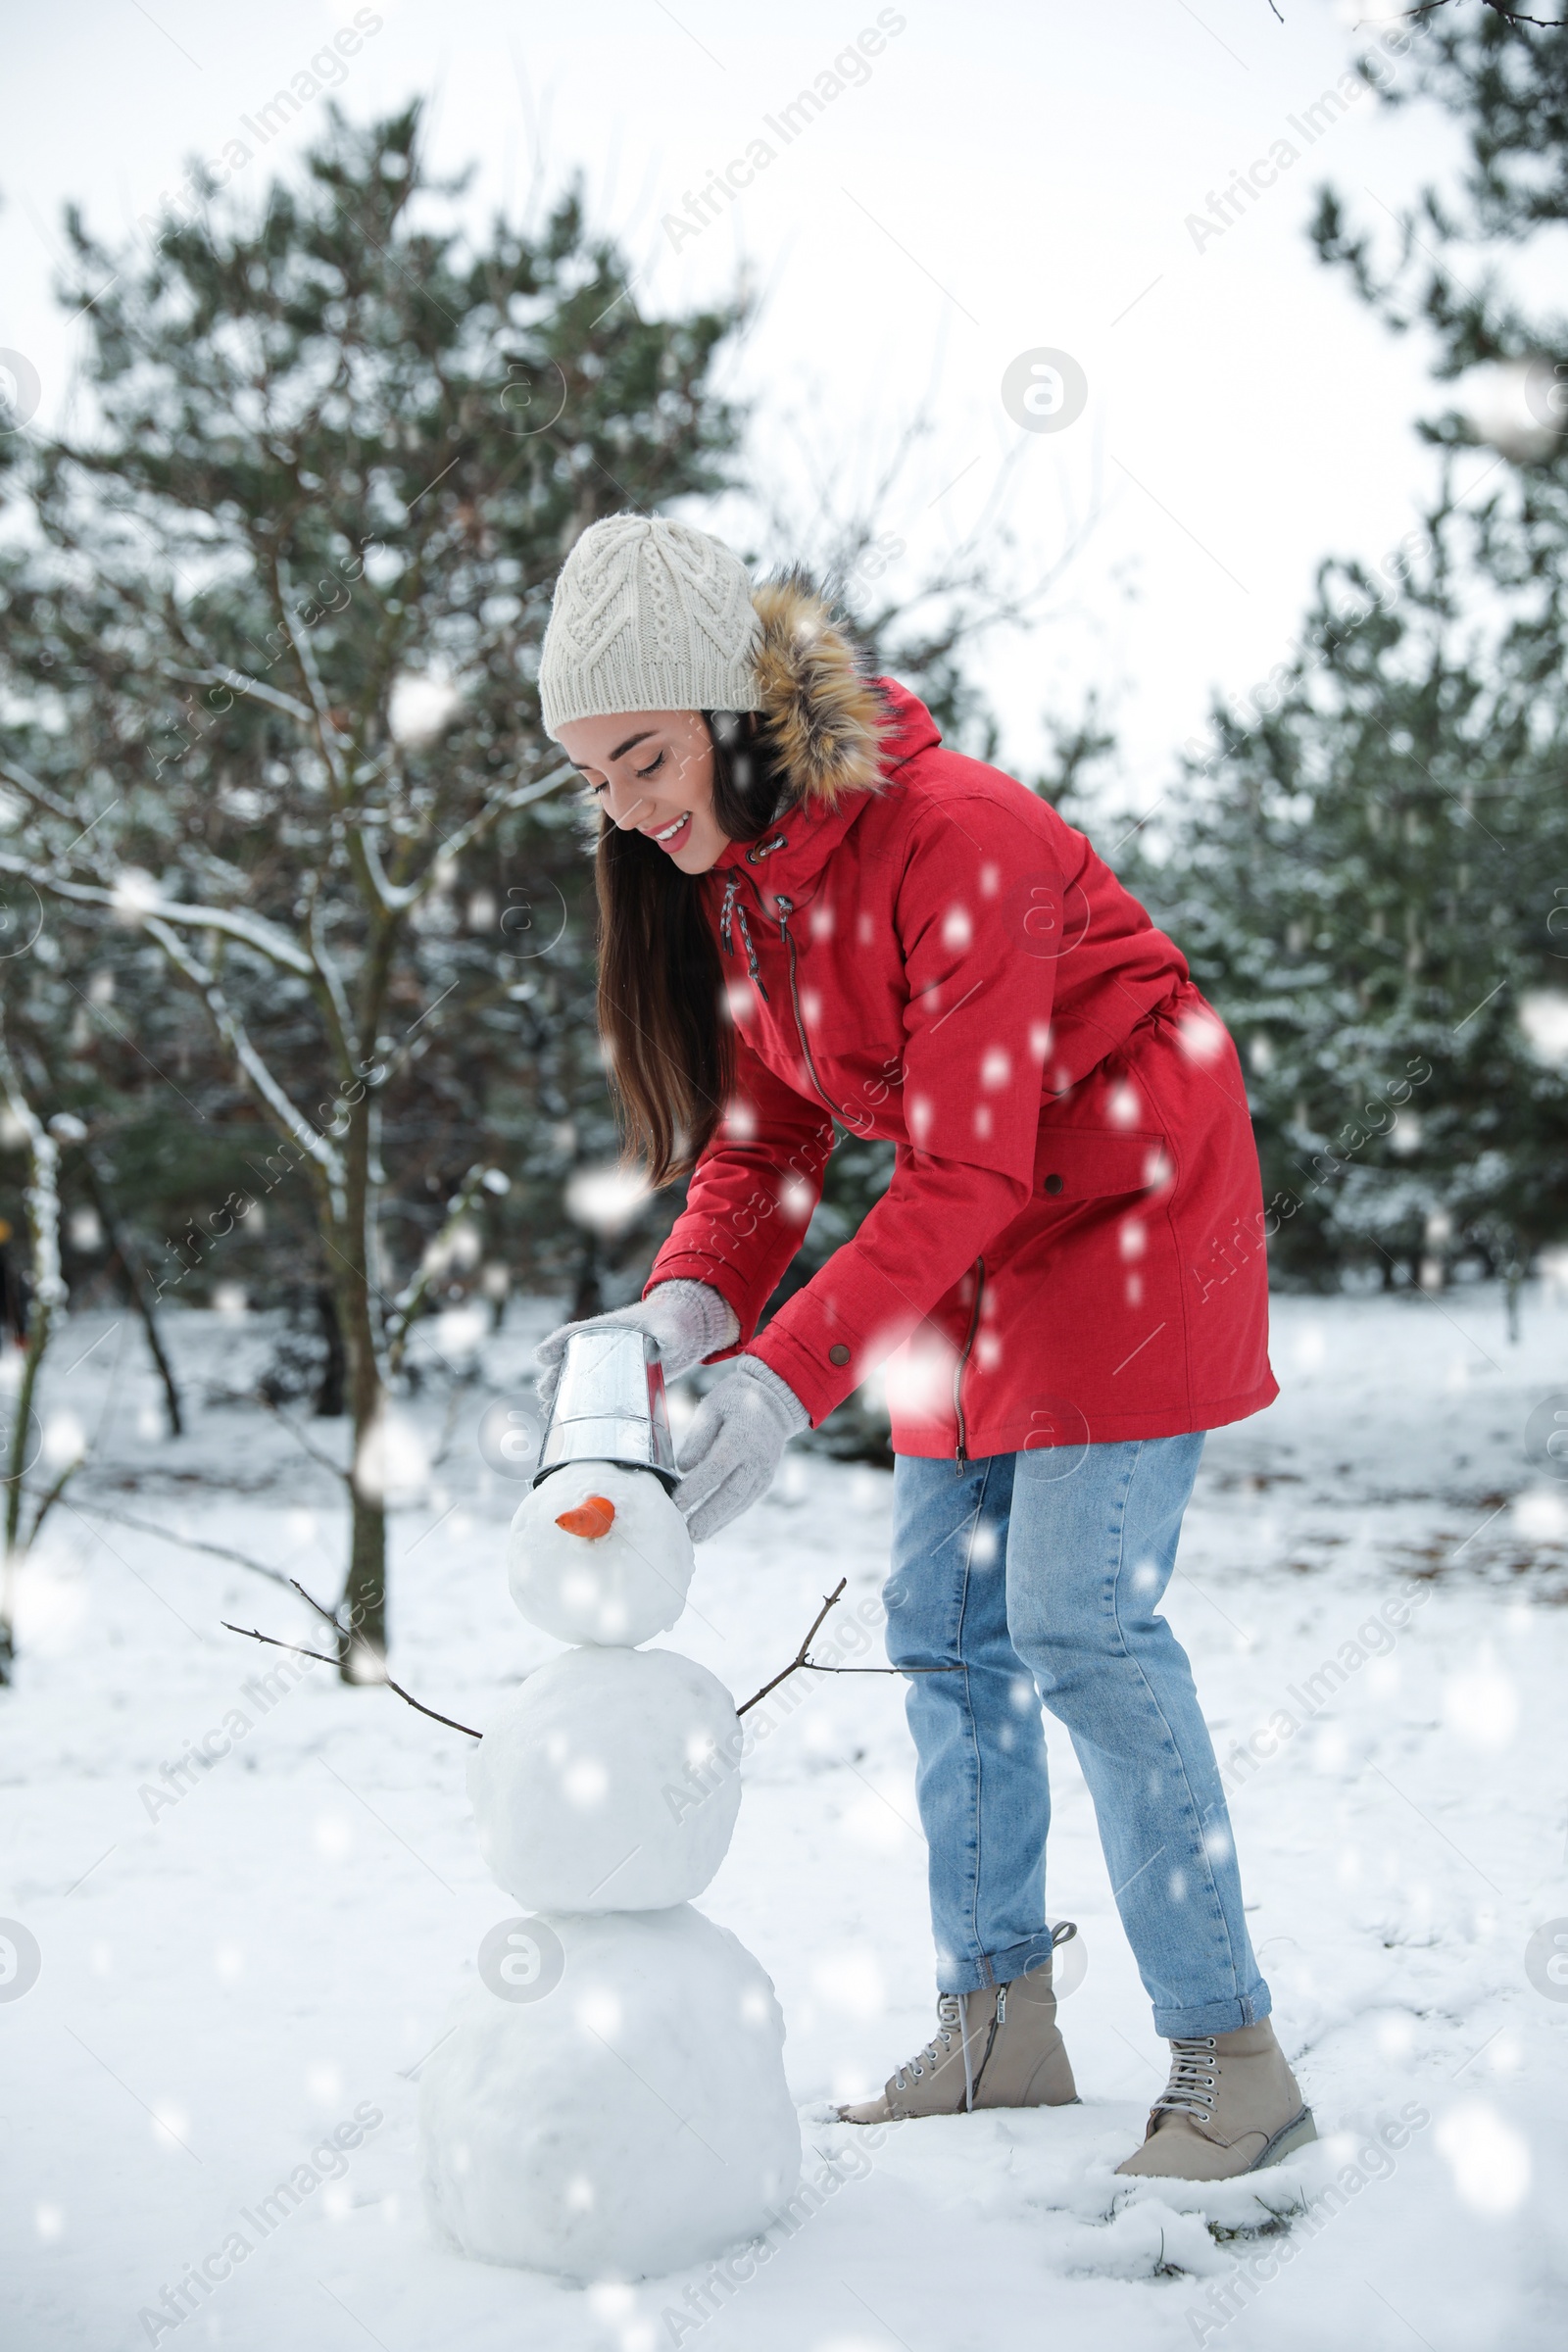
<point x="1231" y="2106"/>
<point x="997" y="2047"/>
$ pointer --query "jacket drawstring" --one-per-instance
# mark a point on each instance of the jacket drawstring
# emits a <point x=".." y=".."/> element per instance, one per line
<point x="732" y="907"/>
<point x="751" y="951"/>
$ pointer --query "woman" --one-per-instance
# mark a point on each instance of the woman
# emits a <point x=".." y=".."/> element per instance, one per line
<point x="812" y="913"/>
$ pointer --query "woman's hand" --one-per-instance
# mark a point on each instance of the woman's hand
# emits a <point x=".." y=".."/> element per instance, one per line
<point x="733" y="1447"/>
<point x="689" y="1320"/>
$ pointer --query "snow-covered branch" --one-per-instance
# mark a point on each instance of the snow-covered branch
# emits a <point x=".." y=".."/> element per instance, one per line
<point x="398" y="896"/>
<point x="515" y="796"/>
<point x="139" y="899"/>
<point x="331" y="980"/>
<point x="22" y="780"/>
<point x="233" y="1033"/>
<point x="393" y="897"/>
<point x="240" y="681"/>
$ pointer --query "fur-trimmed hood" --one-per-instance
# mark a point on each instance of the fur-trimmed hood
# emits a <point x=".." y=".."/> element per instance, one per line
<point x="826" y="714"/>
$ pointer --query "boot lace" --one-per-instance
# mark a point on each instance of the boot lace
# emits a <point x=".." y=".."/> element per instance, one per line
<point x="1194" y="2078"/>
<point x="951" y="2019"/>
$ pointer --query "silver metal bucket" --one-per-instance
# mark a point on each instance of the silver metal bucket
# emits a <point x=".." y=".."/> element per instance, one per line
<point x="609" y="1405"/>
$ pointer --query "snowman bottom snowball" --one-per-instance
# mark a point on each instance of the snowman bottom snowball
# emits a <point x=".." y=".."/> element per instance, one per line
<point x="599" y="1552"/>
<point x="631" y="2120"/>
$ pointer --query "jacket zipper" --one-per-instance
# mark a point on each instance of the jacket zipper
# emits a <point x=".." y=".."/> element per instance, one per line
<point x="786" y="908"/>
<point x="962" y="1453"/>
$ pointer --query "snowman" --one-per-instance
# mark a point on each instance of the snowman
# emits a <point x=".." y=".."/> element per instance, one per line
<point x="610" y="2102"/>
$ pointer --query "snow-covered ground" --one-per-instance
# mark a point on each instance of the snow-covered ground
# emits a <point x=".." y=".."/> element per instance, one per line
<point x="229" y="1977"/>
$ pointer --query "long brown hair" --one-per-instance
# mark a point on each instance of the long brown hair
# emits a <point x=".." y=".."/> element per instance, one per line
<point x="669" y="1040"/>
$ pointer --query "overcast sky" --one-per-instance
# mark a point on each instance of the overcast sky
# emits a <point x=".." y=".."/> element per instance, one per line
<point x="989" y="182"/>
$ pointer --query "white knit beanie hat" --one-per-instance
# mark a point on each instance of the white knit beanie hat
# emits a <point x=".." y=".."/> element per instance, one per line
<point x="648" y="614"/>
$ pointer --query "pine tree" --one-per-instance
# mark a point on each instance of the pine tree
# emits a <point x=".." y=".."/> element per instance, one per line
<point x="1370" y="874"/>
<point x="1364" y="885"/>
<point x="273" y="738"/>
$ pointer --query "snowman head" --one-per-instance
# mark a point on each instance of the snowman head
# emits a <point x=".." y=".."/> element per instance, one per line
<point x="599" y="1553"/>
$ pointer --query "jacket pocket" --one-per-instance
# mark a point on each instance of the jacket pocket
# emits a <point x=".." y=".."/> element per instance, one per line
<point x="1092" y="1163"/>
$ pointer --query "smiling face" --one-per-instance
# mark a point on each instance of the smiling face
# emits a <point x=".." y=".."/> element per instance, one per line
<point x="652" y="772"/>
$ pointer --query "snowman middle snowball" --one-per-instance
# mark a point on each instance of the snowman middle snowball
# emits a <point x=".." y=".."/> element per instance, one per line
<point x="609" y="1782"/>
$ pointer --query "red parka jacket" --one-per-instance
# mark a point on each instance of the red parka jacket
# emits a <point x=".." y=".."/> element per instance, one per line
<point x="1070" y="1248"/>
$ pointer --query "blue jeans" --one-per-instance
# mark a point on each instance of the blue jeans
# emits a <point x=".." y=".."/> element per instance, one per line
<point x="1041" y="1574"/>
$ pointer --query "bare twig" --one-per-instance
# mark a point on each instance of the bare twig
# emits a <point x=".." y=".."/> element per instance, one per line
<point x="799" y="1659"/>
<point x="344" y="1632"/>
<point x="810" y="1666"/>
<point x="800" y="1662"/>
<point x="249" y="1634"/>
<point x="803" y="1662"/>
<point x="451" y="1723"/>
<point x="348" y="1635"/>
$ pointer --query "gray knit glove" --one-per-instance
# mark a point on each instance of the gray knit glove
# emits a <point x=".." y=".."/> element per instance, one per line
<point x="689" y="1320"/>
<point x="733" y="1447"/>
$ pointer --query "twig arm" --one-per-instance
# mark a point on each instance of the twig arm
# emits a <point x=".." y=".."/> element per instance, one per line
<point x="799" y="1659"/>
<point x="451" y="1723"/>
<point x="804" y="1663"/>
<point x="810" y="1666"/>
<point x="249" y="1634"/>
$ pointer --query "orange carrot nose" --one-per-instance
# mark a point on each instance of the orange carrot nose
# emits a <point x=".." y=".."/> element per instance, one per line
<point x="593" y="1517"/>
